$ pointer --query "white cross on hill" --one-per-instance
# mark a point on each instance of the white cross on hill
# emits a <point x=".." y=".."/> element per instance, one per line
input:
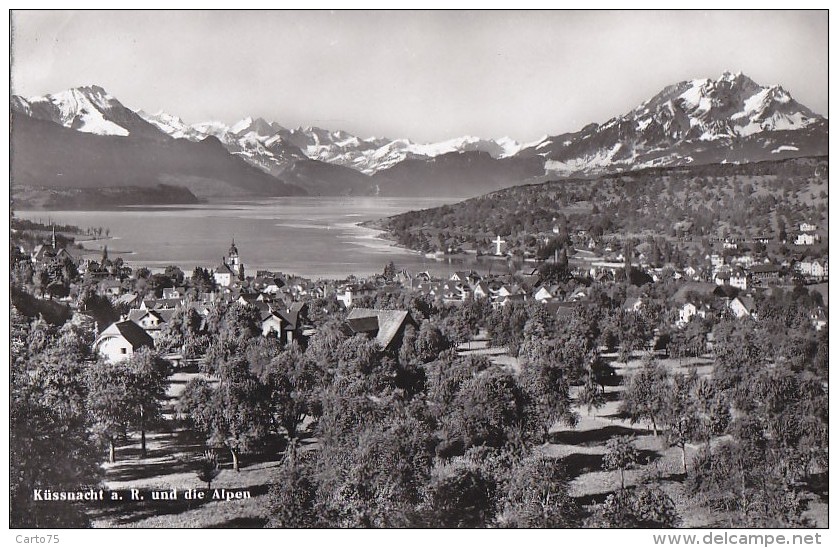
<point x="498" y="242"/>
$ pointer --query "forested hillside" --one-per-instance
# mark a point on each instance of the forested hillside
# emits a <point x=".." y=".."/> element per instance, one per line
<point x="739" y="201"/>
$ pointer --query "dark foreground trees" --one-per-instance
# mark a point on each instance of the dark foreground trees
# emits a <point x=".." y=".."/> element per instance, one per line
<point x="458" y="450"/>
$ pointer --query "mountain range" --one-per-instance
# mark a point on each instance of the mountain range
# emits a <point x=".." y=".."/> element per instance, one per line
<point x="84" y="138"/>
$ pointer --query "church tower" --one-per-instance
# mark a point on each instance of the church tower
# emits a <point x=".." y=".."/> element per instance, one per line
<point x="233" y="260"/>
<point x="233" y="256"/>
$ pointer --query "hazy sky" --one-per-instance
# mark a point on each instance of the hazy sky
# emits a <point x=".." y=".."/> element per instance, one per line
<point x="423" y="75"/>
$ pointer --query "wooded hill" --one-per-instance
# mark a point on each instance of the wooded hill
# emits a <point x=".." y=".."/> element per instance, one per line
<point x="723" y="200"/>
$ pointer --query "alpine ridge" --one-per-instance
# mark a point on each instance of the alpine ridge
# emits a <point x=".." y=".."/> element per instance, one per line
<point x="730" y="119"/>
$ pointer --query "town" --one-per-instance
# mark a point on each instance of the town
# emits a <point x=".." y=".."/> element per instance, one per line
<point x="604" y="315"/>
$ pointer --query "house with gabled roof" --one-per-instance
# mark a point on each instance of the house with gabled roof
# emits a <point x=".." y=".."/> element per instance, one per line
<point x="174" y="293"/>
<point x="460" y="276"/>
<point x="127" y="299"/>
<point x="224" y="275"/>
<point x="507" y="300"/>
<point x="120" y="340"/>
<point x="742" y="307"/>
<point x="386" y="326"/>
<point x="168" y="304"/>
<point x="738" y="278"/>
<point x="271" y="323"/>
<point x="110" y="287"/>
<point x="151" y="321"/>
<point x="481" y="290"/>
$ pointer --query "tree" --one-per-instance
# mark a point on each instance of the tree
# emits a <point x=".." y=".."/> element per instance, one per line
<point x="293" y="382"/>
<point x="390" y="271"/>
<point x="546" y="384"/>
<point x="640" y="507"/>
<point x="201" y="280"/>
<point x="293" y="497"/>
<point x="182" y="334"/>
<point x="620" y="454"/>
<point x="681" y="413"/>
<point x="460" y="495"/>
<point x="645" y="396"/>
<point x="146" y="387"/>
<point x="597" y="374"/>
<point x="175" y="274"/>
<point x="109" y="403"/>
<point x="537" y="495"/>
<point x="374" y="476"/>
<point x="590" y="395"/>
<point x="741" y="480"/>
<point x="430" y="342"/>
<point x="236" y="414"/>
<point x="489" y="409"/>
<point x="49" y="448"/>
<point x="407" y="353"/>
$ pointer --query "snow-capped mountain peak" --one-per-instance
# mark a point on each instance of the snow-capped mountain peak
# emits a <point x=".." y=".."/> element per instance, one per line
<point x="678" y="125"/>
<point x="86" y="109"/>
<point x="170" y="125"/>
<point x="703" y="120"/>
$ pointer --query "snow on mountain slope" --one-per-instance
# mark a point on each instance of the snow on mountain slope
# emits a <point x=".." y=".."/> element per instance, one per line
<point x="705" y="120"/>
<point x="83" y="109"/>
<point x="251" y="137"/>
<point x="701" y="119"/>
<point x="172" y="125"/>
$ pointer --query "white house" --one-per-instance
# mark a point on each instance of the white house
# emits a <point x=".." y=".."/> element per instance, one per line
<point x="739" y="278"/>
<point x="120" y="340"/>
<point x="151" y="321"/>
<point x="742" y="307"/>
<point x="687" y="312"/>
<point x="481" y="291"/>
<point x="173" y="293"/>
<point x="735" y="277"/>
<point x="806" y="227"/>
<point x="271" y="321"/>
<point x="819" y="319"/>
<point x="224" y="275"/>
<point x="543" y="294"/>
<point x="817" y="269"/>
<point x="805" y="239"/>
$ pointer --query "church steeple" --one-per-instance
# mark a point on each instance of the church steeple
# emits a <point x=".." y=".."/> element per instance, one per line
<point x="233" y="260"/>
<point x="54" y="242"/>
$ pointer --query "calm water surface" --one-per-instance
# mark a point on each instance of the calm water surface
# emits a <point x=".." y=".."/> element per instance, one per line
<point x="313" y="237"/>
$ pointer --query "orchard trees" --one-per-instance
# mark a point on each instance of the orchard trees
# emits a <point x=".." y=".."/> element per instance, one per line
<point x="620" y="454"/>
<point x="125" y="395"/>
<point x="293" y="381"/>
<point x="645" y="396"/>
<point x="537" y="495"/>
<point x="234" y="414"/>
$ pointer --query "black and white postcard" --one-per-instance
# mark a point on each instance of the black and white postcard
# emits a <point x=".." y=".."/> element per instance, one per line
<point x="420" y="269"/>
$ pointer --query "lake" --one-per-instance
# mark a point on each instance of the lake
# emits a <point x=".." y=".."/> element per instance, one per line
<point x="313" y="237"/>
